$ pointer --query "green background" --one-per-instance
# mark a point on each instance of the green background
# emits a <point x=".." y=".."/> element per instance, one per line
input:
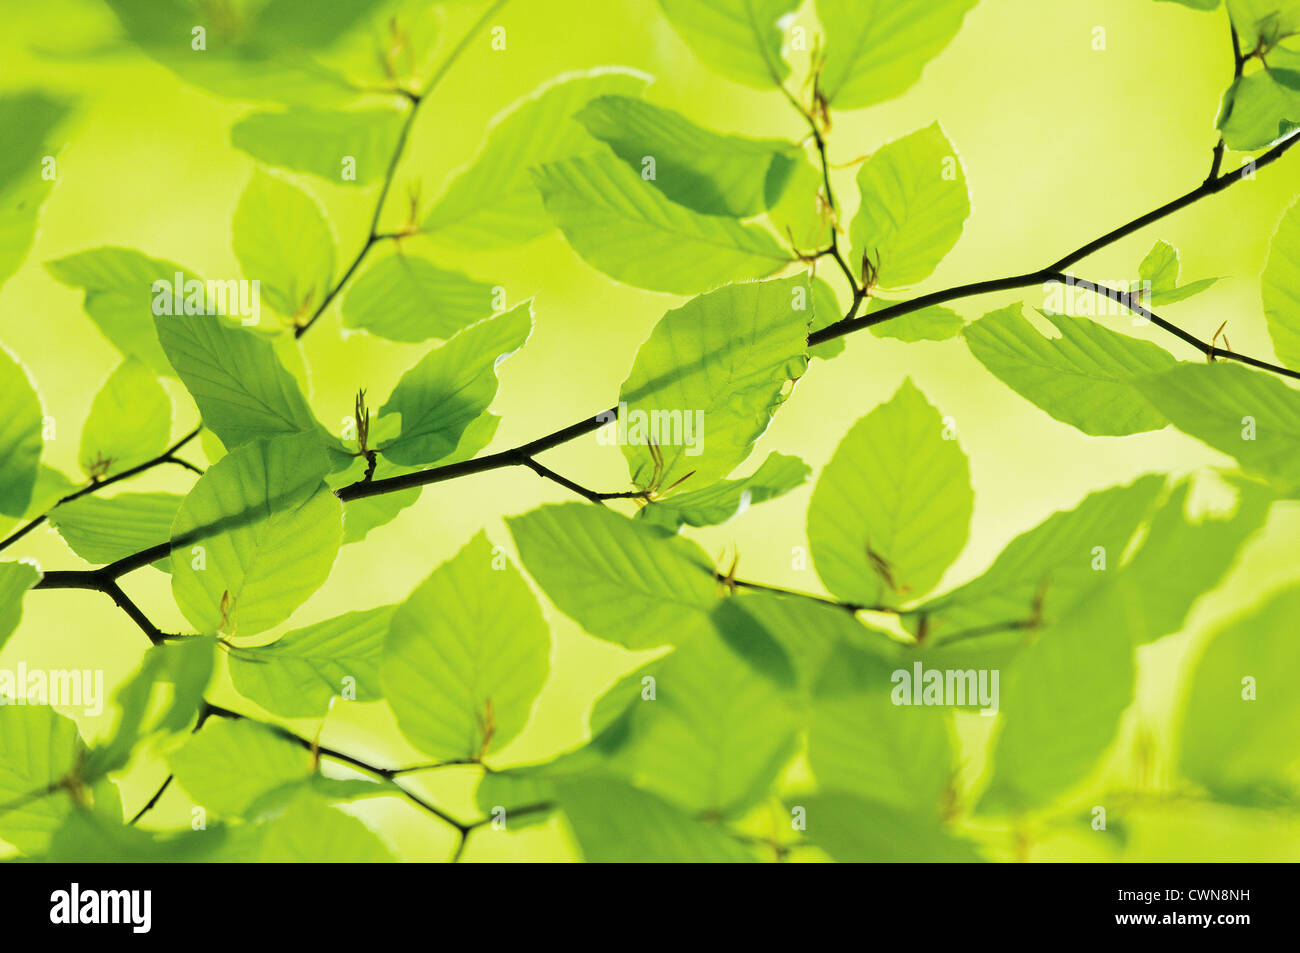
<point x="1060" y="142"/>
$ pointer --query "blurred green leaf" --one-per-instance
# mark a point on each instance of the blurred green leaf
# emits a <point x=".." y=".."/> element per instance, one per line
<point x="230" y="763"/>
<point x="21" y="419"/>
<point x="282" y="240"/>
<point x="1161" y="268"/>
<point x="350" y="147"/>
<point x="30" y="120"/>
<point x="1241" y="720"/>
<point x="15" y="580"/>
<point x="929" y="324"/>
<point x="614" y="822"/>
<point x="39" y="749"/>
<point x="853" y="830"/>
<point x="1252" y="416"/>
<point x="119" y="287"/>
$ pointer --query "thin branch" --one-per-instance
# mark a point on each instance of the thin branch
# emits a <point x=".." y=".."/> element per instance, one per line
<point x="153" y="801"/>
<point x="373" y="235"/>
<point x="1239" y="67"/>
<point x="167" y="456"/>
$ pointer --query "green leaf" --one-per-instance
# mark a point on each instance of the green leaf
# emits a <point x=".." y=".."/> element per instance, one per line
<point x="30" y="120"/>
<point x="798" y="212"/>
<point x="86" y="838"/>
<point x="861" y="742"/>
<point x="362" y="515"/>
<point x="713" y="737"/>
<point x="492" y="203"/>
<point x="15" y="580"/>
<point x="1160" y="268"/>
<point x="1087" y="378"/>
<point x="826" y="311"/>
<point x="235" y="378"/>
<point x="1052" y="566"/>
<point x="614" y="822"/>
<point x="693" y="166"/>
<point x="622" y="580"/>
<point x="1264" y="21"/>
<point x="1061" y="705"/>
<point x="444" y="398"/>
<point x="1196" y="4"/>
<point x="259" y="531"/>
<point x="929" y="324"/>
<point x="705" y="384"/>
<point x="466" y="656"/>
<point x="1252" y="416"/>
<point x="1261" y="108"/>
<point x="129" y="423"/>
<point x="406" y="298"/>
<point x="1156" y="600"/>
<point x="282" y="240"/>
<point x="20" y="436"/>
<point x="1281" y="288"/>
<point x="119" y="286"/>
<point x="892" y="509"/>
<point x="230" y="763"/>
<point x="103" y="530"/>
<point x="38" y="749"/>
<point x="626" y="228"/>
<point x="342" y="147"/>
<point x="262" y="54"/>
<point x="853" y="830"/>
<point x="300" y="673"/>
<point x="311" y="831"/>
<point x="1241" y="720"/>
<point x="913" y="207"/>
<point x="739" y="39"/>
<point x="186" y="665"/>
<point x="877" y="48"/>
<point x="725" y="500"/>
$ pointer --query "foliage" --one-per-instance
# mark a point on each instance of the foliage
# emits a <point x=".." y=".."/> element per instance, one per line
<point x="749" y="720"/>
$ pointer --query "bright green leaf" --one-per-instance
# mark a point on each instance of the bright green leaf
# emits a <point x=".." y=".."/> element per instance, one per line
<point x="725" y="500"/>
<point x="625" y="227"/>
<point x="1086" y="378"/>
<point x="406" y="298"/>
<point x="466" y="656"/>
<point x="15" y="580"/>
<point x="892" y="509"/>
<point x="853" y="830"/>
<point x="913" y="207"/>
<point x="259" y="531"/>
<point x="282" y="240"/>
<point x="21" y="420"/>
<point x="231" y="763"/>
<point x="876" y="49"/>
<point x="103" y="530"/>
<point x="342" y="147"/>
<point x="298" y="674"/>
<point x="693" y="166"/>
<point x="38" y="749"/>
<point x="740" y="39"/>
<point x="1281" y="288"/>
<point x="705" y="384"/>
<point x="129" y="423"/>
<point x="622" y="580"/>
<point x="443" y="398"/>
<point x="493" y="203"/>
